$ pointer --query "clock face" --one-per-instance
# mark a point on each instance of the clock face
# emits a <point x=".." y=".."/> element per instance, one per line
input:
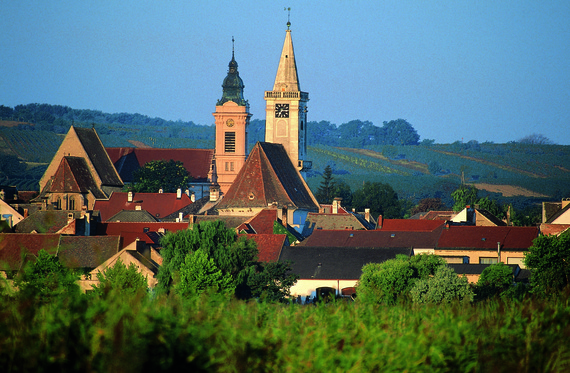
<point x="281" y="110"/>
<point x="230" y="123"/>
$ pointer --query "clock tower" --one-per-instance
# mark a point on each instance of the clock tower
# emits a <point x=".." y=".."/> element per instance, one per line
<point x="286" y="109"/>
<point x="232" y="118"/>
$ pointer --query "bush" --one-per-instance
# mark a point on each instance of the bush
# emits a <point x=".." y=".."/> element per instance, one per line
<point x="444" y="287"/>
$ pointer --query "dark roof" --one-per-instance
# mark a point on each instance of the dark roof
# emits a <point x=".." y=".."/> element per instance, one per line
<point x="550" y="209"/>
<point x="438" y="215"/>
<point x="556" y="214"/>
<point x="127" y="160"/>
<point x="45" y="221"/>
<point x="159" y="205"/>
<point x="73" y="176"/>
<point x="333" y="221"/>
<point x="486" y="238"/>
<point x="87" y="252"/>
<point x="132" y="216"/>
<point x="98" y="156"/>
<point x="268" y="176"/>
<point x="12" y="244"/>
<point x="333" y="263"/>
<point x="477" y="269"/>
<point x="372" y="238"/>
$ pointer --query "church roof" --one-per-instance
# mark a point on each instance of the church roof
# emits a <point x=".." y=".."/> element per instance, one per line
<point x="232" y="86"/>
<point x="73" y="176"/>
<point x="268" y="177"/>
<point x="287" y="78"/>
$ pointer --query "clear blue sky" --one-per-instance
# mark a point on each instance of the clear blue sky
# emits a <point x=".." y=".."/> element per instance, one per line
<point x="455" y="69"/>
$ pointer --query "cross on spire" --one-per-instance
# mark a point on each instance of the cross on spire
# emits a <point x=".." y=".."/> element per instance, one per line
<point x="288" y="9"/>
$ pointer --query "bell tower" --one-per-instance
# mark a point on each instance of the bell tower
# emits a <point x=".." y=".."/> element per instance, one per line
<point x="286" y="109"/>
<point x="232" y="118"/>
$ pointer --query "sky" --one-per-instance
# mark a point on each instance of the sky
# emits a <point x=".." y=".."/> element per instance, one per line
<point x="456" y="70"/>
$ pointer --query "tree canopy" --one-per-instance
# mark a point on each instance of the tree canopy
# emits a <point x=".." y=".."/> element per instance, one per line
<point x="166" y="175"/>
<point x="380" y="198"/>
<point x="121" y="279"/>
<point x="549" y="261"/>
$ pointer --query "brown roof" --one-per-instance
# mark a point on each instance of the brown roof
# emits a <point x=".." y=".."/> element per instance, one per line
<point x="486" y="238"/>
<point x="73" y="176"/>
<point x="262" y="223"/>
<point x="269" y="246"/>
<point x="268" y="176"/>
<point x="333" y="221"/>
<point x="98" y="156"/>
<point x="549" y="229"/>
<point x="44" y="221"/>
<point x="196" y="161"/>
<point x="12" y="244"/>
<point x="87" y="252"/>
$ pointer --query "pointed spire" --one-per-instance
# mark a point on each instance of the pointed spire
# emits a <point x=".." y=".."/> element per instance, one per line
<point x="287" y="78"/>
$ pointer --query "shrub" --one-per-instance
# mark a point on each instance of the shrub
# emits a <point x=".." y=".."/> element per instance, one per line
<point x="444" y="287"/>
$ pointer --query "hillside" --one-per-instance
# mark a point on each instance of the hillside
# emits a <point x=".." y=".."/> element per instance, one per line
<point x="513" y="172"/>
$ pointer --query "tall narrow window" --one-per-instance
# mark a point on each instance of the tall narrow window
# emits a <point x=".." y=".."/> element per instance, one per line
<point x="231" y="166"/>
<point x="71" y="203"/>
<point x="230" y="142"/>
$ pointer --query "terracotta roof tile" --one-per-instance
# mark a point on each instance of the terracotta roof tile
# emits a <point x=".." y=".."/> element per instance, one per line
<point x="131" y="231"/>
<point x="158" y="205"/>
<point x="409" y="225"/>
<point x="548" y="229"/>
<point x="12" y="244"/>
<point x="269" y="245"/>
<point x="511" y="238"/>
<point x="262" y="223"/>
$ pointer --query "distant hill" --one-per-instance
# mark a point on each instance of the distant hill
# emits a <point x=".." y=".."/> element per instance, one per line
<point x="513" y="172"/>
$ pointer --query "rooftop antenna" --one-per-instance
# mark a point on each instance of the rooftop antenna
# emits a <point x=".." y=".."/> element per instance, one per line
<point x="288" y="16"/>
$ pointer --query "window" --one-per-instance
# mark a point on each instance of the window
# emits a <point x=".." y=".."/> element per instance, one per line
<point x="71" y="203"/>
<point x="230" y="142"/>
<point x="491" y="260"/>
<point x="231" y="166"/>
<point x="227" y="166"/>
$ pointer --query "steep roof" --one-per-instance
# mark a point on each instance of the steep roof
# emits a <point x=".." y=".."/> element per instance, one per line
<point x="158" y="205"/>
<point x="332" y="263"/>
<point x="73" y="176"/>
<point x="269" y="245"/>
<point x="372" y="238"/>
<point x="557" y="214"/>
<point x="261" y="223"/>
<point x="268" y="176"/>
<point x="87" y="252"/>
<point x="98" y="156"/>
<point x="486" y="238"/>
<point x="287" y="78"/>
<point x="127" y="160"/>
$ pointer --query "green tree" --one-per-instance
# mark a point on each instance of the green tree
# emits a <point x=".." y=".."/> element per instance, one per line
<point x="549" y="261"/>
<point x="380" y="198"/>
<point x="342" y="190"/>
<point x="120" y="278"/>
<point x="386" y="282"/>
<point x="233" y="256"/>
<point x="325" y="193"/>
<point x="444" y="287"/>
<point x="399" y="132"/>
<point x="154" y="175"/>
<point x="46" y="278"/>
<point x="464" y="196"/>
<point x="200" y="274"/>
<point x="494" y="279"/>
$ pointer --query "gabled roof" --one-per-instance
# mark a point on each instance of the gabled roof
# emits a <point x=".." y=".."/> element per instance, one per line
<point x="486" y="238"/>
<point x="127" y="160"/>
<point x="409" y="225"/>
<point x="45" y="221"/>
<point x="262" y="223"/>
<point x="73" y="176"/>
<point x="438" y="215"/>
<point x="487" y="215"/>
<point x="558" y="214"/>
<point x="328" y="209"/>
<point x="269" y="245"/>
<point x="557" y="229"/>
<point x="372" y="238"/>
<point x="87" y="252"/>
<point x="143" y="231"/>
<point x="12" y="245"/>
<point x="132" y="216"/>
<point x="268" y="176"/>
<point x="332" y="263"/>
<point x="158" y="205"/>
<point x="316" y="221"/>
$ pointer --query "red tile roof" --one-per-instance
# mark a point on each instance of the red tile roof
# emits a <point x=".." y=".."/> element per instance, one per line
<point x="268" y="176"/>
<point x="409" y="224"/>
<point x="262" y="223"/>
<point x="549" y="229"/>
<point x="511" y="238"/>
<point x="131" y="231"/>
<point x="158" y="205"/>
<point x="372" y="238"/>
<point x="196" y="161"/>
<point x="12" y="244"/>
<point x="269" y="245"/>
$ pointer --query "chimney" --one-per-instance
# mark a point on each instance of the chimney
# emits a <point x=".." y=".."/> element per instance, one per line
<point x="367" y="215"/>
<point x="193" y="197"/>
<point x="380" y="221"/>
<point x="284" y="216"/>
<point x="138" y="207"/>
<point x="336" y="205"/>
<point x="26" y="213"/>
<point x="130" y="197"/>
<point x="161" y="190"/>
<point x="187" y="191"/>
<point x="214" y="192"/>
<point x="178" y="193"/>
<point x="181" y="216"/>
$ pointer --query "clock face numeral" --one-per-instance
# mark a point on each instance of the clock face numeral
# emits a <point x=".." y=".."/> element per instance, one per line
<point x="230" y="123"/>
<point x="281" y="110"/>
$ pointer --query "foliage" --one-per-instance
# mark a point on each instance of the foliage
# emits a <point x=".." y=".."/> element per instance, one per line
<point x="549" y="261"/>
<point x="45" y="278"/>
<point x="200" y="274"/>
<point x="235" y="257"/>
<point x="399" y="132"/>
<point x="428" y="204"/>
<point x="536" y="139"/>
<point x="494" y="279"/>
<point x="464" y="196"/>
<point x="444" y="287"/>
<point x="166" y="175"/>
<point x="386" y="282"/>
<point x="342" y="190"/>
<point x="325" y="192"/>
<point x="120" y="278"/>
<point x="380" y="198"/>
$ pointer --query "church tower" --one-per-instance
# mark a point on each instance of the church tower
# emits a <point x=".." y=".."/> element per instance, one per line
<point x="286" y="109"/>
<point x="232" y="118"/>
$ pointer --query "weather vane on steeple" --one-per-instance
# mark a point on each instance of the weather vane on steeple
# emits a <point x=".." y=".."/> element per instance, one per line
<point x="233" y="44"/>
<point x="288" y="16"/>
